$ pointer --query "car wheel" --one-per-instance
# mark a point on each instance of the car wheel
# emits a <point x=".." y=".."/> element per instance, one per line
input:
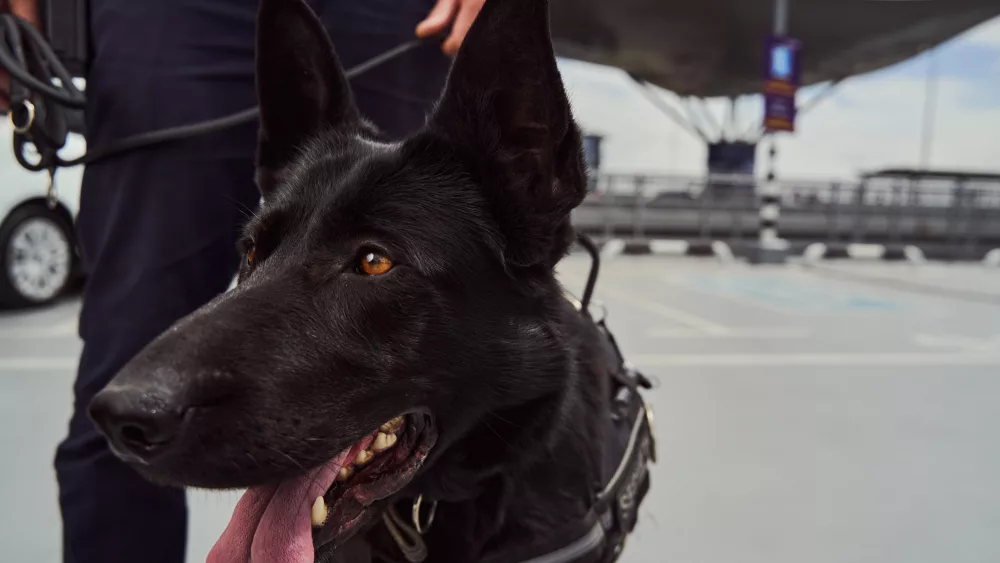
<point x="36" y="256"/>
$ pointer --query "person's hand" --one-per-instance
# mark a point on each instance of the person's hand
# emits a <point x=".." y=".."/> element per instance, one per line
<point x="459" y="13"/>
<point x="27" y="9"/>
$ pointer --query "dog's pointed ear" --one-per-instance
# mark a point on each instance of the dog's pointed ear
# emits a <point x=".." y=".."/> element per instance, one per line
<point x="301" y="87"/>
<point x="505" y="108"/>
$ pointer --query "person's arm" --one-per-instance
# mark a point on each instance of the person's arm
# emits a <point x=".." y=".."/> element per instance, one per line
<point x="460" y="13"/>
<point x="27" y="9"/>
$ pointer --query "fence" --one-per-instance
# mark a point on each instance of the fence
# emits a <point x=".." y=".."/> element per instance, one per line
<point x="957" y="220"/>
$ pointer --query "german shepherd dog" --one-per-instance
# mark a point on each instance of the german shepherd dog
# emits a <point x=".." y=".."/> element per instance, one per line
<point x="397" y="330"/>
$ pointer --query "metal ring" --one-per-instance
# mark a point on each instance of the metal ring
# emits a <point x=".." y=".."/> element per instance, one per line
<point x="422" y="528"/>
<point x="30" y="107"/>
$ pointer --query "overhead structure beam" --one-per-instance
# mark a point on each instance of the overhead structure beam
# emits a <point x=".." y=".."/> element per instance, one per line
<point x="803" y="108"/>
<point x="695" y="118"/>
<point x="713" y="127"/>
<point x="729" y="125"/>
<point x="666" y="109"/>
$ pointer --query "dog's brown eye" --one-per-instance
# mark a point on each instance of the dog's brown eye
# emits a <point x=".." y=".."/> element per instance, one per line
<point x="375" y="264"/>
<point x="250" y="253"/>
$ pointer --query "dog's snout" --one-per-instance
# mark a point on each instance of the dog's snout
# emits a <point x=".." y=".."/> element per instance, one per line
<point x="138" y="426"/>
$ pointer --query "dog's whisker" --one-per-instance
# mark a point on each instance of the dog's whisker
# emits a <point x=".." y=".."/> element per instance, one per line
<point x="288" y="457"/>
<point x="515" y="425"/>
<point x="253" y="459"/>
<point x="243" y="208"/>
<point x="509" y="445"/>
<point x="313" y="479"/>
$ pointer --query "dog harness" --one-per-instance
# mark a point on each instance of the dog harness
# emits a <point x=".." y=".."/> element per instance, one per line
<point x="600" y="537"/>
<point x="630" y="447"/>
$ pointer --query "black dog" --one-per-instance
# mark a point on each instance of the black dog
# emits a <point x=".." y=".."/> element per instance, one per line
<point x="397" y="333"/>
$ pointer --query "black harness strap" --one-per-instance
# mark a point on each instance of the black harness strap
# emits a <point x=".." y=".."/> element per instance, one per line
<point x="600" y="536"/>
<point x="630" y="447"/>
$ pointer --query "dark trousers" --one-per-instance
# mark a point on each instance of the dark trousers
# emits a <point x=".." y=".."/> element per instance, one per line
<point x="158" y="227"/>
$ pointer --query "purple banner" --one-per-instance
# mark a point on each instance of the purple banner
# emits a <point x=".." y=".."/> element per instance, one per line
<point x="782" y="61"/>
<point x="782" y="76"/>
<point x="779" y="112"/>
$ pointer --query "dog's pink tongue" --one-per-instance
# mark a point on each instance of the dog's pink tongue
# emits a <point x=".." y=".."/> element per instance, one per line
<point x="272" y="524"/>
<point x="234" y="544"/>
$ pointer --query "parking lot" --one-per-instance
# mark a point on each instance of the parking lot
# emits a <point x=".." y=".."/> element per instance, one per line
<point x="845" y="413"/>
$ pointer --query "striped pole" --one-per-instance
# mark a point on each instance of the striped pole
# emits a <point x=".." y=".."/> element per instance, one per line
<point x="770" y="249"/>
<point x="770" y="203"/>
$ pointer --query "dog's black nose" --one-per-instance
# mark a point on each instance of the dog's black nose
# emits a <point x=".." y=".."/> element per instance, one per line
<point x="137" y="425"/>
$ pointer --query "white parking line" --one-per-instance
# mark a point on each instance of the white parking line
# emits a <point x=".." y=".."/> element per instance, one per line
<point x="834" y="359"/>
<point x="742" y="333"/>
<point x="37" y="364"/>
<point x="67" y="327"/>
<point x="959" y="342"/>
<point x="680" y="284"/>
<point x="676" y="315"/>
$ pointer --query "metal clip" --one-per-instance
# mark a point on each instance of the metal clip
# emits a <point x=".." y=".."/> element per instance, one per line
<point x="651" y="422"/>
<point x="51" y="198"/>
<point x="28" y="115"/>
<point x="422" y="528"/>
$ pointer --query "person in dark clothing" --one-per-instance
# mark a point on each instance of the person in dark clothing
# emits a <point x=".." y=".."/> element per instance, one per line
<point x="158" y="227"/>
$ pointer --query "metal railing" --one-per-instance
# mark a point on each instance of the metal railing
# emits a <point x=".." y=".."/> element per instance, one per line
<point x="951" y="220"/>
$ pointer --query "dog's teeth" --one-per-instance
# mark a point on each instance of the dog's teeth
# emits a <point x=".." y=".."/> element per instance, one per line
<point x="345" y="473"/>
<point x="381" y="442"/>
<point x="392" y="426"/>
<point x="364" y="456"/>
<point x="318" y="512"/>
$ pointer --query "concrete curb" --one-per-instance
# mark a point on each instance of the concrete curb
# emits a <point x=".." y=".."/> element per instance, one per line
<point x="815" y="252"/>
<point x="821" y="251"/>
<point x="667" y="247"/>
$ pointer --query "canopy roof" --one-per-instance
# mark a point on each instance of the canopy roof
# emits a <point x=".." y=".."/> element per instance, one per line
<point x="712" y="48"/>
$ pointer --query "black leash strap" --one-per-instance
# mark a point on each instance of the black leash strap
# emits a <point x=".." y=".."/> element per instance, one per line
<point x="246" y="116"/>
<point x="35" y="69"/>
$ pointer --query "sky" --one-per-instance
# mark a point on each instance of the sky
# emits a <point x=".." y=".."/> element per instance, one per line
<point x="868" y="122"/>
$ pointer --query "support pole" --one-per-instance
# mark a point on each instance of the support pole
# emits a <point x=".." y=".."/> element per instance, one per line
<point x="930" y="105"/>
<point x="770" y="248"/>
<point x="780" y="17"/>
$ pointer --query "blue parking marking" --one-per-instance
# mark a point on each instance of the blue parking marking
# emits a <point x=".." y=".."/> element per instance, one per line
<point x="792" y="295"/>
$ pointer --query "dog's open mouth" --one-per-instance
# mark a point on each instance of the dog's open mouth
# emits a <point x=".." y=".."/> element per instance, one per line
<point x="288" y="521"/>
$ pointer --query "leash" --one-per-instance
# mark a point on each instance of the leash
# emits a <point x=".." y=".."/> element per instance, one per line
<point x="36" y="69"/>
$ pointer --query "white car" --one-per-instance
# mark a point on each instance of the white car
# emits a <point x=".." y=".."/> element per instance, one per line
<point x="38" y="253"/>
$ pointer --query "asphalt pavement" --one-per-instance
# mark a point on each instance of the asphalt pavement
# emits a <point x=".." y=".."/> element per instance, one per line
<point x="839" y="414"/>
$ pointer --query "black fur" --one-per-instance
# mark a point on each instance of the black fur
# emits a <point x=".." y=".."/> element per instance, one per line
<point x="307" y="354"/>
